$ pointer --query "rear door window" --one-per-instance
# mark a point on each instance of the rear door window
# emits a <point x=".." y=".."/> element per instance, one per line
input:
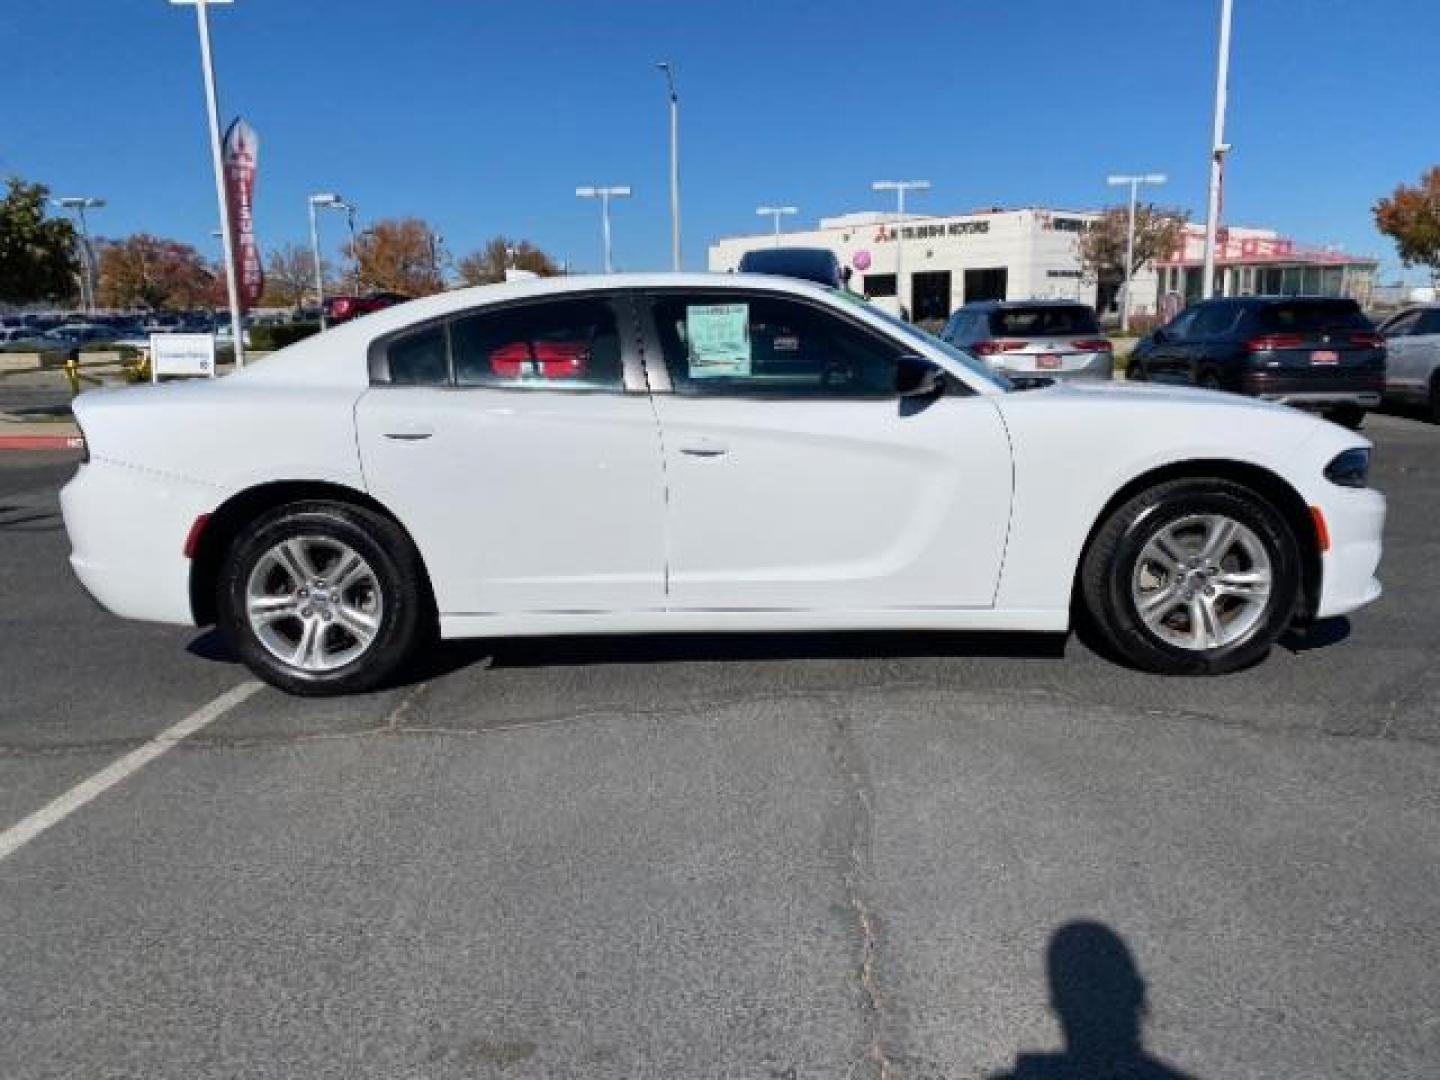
<point x="1429" y="322"/>
<point x="558" y="345"/>
<point x="1043" y="321"/>
<point x="1215" y="321"/>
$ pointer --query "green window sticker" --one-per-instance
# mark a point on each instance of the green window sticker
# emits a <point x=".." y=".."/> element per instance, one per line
<point x="718" y="340"/>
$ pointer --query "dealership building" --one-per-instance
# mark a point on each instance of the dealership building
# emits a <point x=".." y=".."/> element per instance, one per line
<point x="1033" y="253"/>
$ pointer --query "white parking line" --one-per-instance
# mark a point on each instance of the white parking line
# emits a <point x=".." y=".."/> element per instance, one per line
<point x="52" y="813"/>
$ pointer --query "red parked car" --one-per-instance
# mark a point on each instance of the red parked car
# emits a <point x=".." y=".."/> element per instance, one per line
<point x="340" y="309"/>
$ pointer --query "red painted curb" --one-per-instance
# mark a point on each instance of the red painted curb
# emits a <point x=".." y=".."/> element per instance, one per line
<point x="41" y="442"/>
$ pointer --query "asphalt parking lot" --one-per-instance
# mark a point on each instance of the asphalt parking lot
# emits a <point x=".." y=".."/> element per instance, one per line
<point x="780" y="857"/>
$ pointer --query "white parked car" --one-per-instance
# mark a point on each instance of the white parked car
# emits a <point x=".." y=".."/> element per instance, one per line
<point x="700" y="453"/>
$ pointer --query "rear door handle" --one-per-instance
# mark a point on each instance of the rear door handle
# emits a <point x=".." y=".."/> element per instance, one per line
<point x="703" y="447"/>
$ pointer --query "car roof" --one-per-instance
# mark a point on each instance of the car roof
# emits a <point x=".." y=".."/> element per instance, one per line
<point x="1001" y="305"/>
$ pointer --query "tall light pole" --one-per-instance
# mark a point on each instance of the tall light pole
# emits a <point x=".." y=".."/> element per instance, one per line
<point x="669" y="69"/>
<point x="81" y="203"/>
<point x="207" y="68"/>
<point x="776" y="212"/>
<point x="326" y="200"/>
<point x="900" y="187"/>
<point x="1134" y="182"/>
<point x="604" y="194"/>
<point x="1218" y="149"/>
<point x="354" y="246"/>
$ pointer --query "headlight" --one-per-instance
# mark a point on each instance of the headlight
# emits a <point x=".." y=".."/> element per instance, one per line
<point x="1350" y="469"/>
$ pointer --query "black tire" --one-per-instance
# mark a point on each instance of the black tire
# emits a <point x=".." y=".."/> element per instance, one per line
<point x="1109" y="566"/>
<point x="1210" y="380"/>
<point x="1347" y="416"/>
<point x="398" y="579"/>
<point x="1435" y="398"/>
<point x="1135" y="370"/>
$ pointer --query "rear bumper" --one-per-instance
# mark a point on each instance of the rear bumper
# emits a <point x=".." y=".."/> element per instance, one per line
<point x="1355" y="520"/>
<point x="1316" y="390"/>
<point x="127" y="530"/>
<point x="1093" y="366"/>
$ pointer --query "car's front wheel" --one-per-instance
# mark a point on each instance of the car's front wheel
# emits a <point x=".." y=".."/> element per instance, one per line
<point x="322" y="598"/>
<point x="1192" y="577"/>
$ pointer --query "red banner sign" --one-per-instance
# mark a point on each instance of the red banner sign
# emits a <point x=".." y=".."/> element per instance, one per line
<point x="242" y="154"/>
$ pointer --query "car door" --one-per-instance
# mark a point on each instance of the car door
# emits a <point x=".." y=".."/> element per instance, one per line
<point x="518" y="446"/>
<point x="1399" y="374"/>
<point x="1423" y="352"/>
<point x="1167" y="358"/>
<point x="797" y="479"/>
<point x="1210" y="348"/>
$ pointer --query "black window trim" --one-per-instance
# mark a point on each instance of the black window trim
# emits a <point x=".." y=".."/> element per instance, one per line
<point x="661" y="383"/>
<point x="632" y="376"/>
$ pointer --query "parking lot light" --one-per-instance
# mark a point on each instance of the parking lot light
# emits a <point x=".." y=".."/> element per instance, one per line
<point x="1218" y="149"/>
<point x="776" y="212"/>
<point x="81" y="203"/>
<point x="1134" y="183"/>
<point x="900" y="187"/>
<point x="604" y="194"/>
<point x="669" y="69"/>
<point x="324" y="200"/>
<point x="207" y="66"/>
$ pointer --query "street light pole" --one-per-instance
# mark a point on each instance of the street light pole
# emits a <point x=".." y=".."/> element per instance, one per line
<point x="669" y="69"/>
<point x="776" y="212"/>
<point x="604" y="194"/>
<point x="1134" y="183"/>
<point x="1218" y="149"/>
<point x="327" y="200"/>
<point x="81" y="203"/>
<point x="207" y="66"/>
<point x="900" y="187"/>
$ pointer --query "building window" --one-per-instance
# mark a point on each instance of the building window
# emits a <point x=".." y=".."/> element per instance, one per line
<point x="986" y="283"/>
<point x="879" y="285"/>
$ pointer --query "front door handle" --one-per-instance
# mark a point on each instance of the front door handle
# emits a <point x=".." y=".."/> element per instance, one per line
<point x="704" y="448"/>
<point x="413" y="431"/>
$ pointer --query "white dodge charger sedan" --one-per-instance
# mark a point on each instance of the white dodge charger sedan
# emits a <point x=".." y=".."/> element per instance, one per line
<point x="678" y="452"/>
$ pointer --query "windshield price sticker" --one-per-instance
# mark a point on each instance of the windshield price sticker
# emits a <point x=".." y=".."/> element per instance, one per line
<point x="718" y="339"/>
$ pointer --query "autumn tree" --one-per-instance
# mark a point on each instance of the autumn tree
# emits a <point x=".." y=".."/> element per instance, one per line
<point x="488" y="265"/>
<point x="1411" y="217"/>
<point x="403" y="255"/>
<point x="153" y="272"/>
<point x="1102" y="246"/>
<point x="290" y="276"/>
<point x="38" y="259"/>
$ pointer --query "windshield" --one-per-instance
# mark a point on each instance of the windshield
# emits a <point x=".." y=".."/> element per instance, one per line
<point x="973" y="364"/>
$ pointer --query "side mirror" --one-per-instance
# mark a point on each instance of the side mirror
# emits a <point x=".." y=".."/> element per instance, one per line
<point x="916" y="376"/>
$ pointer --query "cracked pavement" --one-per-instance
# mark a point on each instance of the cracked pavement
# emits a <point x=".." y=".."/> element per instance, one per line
<point x="774" y="857"/>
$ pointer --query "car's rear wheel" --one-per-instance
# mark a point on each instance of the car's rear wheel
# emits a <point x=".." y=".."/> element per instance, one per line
<point x="322" y="598"/>
<point x="1192" y="577"/>
<point x="1435" y="398"/>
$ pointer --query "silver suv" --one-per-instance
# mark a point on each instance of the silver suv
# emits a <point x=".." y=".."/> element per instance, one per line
<point x="1026" y="339"/>
<point x="1412" y="344"/>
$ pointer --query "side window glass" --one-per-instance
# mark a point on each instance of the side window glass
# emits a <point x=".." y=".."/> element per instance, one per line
<point x="1429" y="322"/>
<point x="1180" y="327"/>
<point x="756" y="345"/>
<point x="562" y="345"/>
<point x="1213" y="321"/>
<point x="419" y="358"/>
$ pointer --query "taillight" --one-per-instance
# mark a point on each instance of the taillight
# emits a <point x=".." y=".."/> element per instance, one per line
<point x="340" y="307"/>
<point x="1274" y="341"/>
<point x="192" y="538"/>
<point x="1367" y="339"/>
<point x="990" y="348"/>
<point x="1092" y="345"/>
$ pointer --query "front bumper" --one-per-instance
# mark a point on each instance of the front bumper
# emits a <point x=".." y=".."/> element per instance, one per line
<point x="1355" y="520"/>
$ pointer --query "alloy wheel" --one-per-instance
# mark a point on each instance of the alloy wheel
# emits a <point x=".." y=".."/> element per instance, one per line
<point x="314" y="603"/>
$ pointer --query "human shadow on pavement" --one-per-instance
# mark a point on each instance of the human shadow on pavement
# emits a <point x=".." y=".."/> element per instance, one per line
<point x="1098" y="995"/>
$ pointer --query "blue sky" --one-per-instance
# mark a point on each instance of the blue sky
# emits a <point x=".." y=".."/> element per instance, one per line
<point x="483" y="116"/>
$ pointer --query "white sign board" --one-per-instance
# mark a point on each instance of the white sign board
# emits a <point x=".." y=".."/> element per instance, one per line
<point x="182" y="354"/>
